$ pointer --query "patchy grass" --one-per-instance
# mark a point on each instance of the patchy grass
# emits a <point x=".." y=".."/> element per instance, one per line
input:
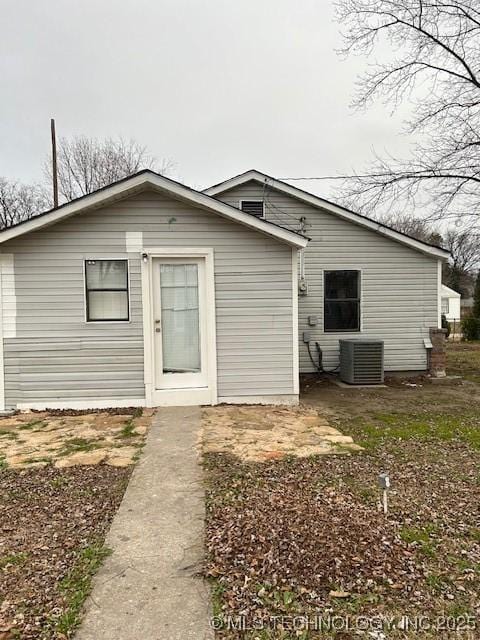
<point x="73" y="445"/>
<point x="463" y="359"/>
<point x="423" y="537"/>
<point x="13" y="559"/>
<point x="5" y="433"/>
<point x="77" y="585"/>
<point x="373" y="430"/>
<point x="128" y="431"/>
<point x="33" y="424"/>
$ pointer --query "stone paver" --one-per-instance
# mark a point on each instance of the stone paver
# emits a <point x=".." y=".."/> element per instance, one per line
<point x="148" y="589"/>
<point x="267" y="432"/>
<point x="40" y="438"/>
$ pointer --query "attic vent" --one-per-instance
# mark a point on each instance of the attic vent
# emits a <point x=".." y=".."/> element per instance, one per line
<point x="254" y="207"/>
<point x="361" y="361"/>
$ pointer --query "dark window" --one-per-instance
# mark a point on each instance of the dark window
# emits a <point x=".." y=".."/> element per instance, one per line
<point x="341" y="301"/>
<point x="254" y="207"/>
<point x="106" y="290"/>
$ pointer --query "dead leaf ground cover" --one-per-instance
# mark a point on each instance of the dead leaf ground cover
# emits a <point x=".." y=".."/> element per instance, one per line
<point x="60" y="485"/>
<point x="283" y="536"/>
<point x="52" y="527"/>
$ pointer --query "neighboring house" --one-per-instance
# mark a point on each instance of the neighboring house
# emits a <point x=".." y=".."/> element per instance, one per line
<point x="450" y="304"/>
<point x="150" y="293"/>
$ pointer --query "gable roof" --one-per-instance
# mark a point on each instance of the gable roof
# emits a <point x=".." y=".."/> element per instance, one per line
<point x="148" y="179"/>
<point x="450" y="293"/>
<point x="330" y="207"/>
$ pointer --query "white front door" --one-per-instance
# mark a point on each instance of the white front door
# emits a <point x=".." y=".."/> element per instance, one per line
<point x="179" y="324"/>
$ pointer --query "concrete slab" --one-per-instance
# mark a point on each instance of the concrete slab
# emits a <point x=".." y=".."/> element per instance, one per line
<point x="344" y="385"/>
<point x="148" y="587"/>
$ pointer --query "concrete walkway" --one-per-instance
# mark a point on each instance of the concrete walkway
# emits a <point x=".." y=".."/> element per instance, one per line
<point x="147" y="588"/>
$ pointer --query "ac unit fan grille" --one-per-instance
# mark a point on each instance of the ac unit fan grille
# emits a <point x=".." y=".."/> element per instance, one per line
<point x="361" y="362"/>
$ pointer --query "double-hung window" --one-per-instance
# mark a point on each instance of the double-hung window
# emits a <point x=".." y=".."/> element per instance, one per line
<point x="341" y="301"/>
<point x="106" y="290"/>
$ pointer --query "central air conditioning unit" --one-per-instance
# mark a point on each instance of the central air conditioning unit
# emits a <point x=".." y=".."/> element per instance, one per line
<point x="361" y="361"/>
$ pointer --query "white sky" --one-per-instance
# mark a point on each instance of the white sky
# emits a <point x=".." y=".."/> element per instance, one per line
<point x="217" y="86"/>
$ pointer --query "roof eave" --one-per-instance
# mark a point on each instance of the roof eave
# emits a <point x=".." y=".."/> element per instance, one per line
<point x="128" y="186"/>
<point x="316" y="201"/>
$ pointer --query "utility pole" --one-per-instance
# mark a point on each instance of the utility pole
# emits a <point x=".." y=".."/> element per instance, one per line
<point x="54" y="164"/>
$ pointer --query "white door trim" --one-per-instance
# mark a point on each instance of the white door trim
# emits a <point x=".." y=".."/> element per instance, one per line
<point x="181" y="396"/>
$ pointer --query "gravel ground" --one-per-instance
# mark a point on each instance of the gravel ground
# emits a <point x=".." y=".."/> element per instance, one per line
<point x="52" y="527"/>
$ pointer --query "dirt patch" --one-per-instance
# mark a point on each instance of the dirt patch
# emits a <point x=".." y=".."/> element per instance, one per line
<point x="265" y="433"/>
<point x="64" y="440"/>
<point x="52" y="527"/>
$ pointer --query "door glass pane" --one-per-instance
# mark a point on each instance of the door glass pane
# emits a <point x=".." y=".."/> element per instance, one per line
<point x="180" y="318"/>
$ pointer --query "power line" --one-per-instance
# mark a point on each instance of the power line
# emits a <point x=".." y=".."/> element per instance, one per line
<point x="326" y="177"/>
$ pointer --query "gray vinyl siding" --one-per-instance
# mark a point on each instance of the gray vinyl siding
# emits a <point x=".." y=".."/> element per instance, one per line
<point x="58" y="356"/>
<point x="399" y="284"/>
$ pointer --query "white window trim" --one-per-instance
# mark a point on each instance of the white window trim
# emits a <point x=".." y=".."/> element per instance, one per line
<point x="180" y="396"/>
<point x="240" y="202"/>
<point x="342" y="333"/>
<point x="129" y="289"/>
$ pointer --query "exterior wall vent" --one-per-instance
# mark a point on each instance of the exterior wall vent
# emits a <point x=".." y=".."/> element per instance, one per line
<point x="361" y="361"/>
<point x="253" y="207"/>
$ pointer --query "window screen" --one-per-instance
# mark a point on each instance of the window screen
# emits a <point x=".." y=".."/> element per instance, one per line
<point x="445" y="305"/>
<point x="341" y="301"/>
<point x="106" y="287"/>
<point x="254" y="207"/>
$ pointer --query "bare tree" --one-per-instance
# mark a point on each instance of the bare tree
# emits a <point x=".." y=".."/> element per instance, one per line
<point x="434" y="63"/>
<point x="19" y="202"/>
<point x="86" y="164"/>
<point x="464" y="247"/>
<point x="414" y="227"/>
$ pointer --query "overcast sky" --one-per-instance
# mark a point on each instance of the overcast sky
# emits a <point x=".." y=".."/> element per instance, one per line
<point x="217" y="86"/>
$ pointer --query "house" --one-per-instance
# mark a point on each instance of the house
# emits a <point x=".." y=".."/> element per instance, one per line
<point x="147" y="292"/>
<point x="450" y="304"/>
